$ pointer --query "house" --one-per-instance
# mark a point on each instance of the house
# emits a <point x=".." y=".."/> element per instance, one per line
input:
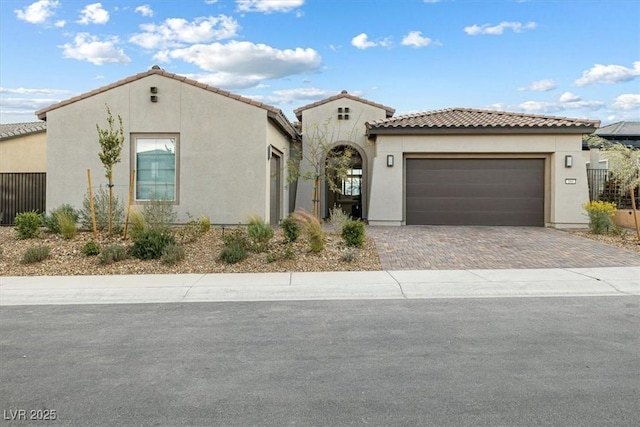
<point x="206" y="150"/>
<point x="226" y="156"/>
<point x="625" y="133"/>
<point x="23" y="166"/>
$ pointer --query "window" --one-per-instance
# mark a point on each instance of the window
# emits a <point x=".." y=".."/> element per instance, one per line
<point x="156" y="167"/>
<point x="352" y="184"/>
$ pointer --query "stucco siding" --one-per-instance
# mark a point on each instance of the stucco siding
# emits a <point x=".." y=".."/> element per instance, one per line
<point x="221" y="151"/>
<point x="26" y="153"/>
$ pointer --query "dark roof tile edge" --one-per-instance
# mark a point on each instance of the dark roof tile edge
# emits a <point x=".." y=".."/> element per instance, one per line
<point x="37" y="128"/>
<point x="344" y="94"/>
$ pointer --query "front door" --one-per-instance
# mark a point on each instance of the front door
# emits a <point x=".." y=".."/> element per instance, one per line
<point x="275" y="191"/>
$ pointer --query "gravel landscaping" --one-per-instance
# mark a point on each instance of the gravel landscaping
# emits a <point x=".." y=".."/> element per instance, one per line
<point x="202" y="256"/>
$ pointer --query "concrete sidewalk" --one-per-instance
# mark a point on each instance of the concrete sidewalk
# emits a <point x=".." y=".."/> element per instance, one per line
<point x="405" y="284"/>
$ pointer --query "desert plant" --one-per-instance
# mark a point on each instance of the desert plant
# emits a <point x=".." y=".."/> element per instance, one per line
<point x="101" y="208"/>
<point x="205" y="224"/>
<point x="36" y="254"/>
<point x="312" y="228"/>
<point x="348" y="255"/>
<point x="112" y="253"/>
<point x="260" y="234"/>
<point x="111" y="141"/>
<point x="67" y="224"/>
<point x="337" y="218"/>
<point x="91" y="248"/>
<point x="27" y="224"/>
<point x="159" y="214"/>
<point x="150" y="243"/>
<point x="194" y="228"/>
<point x="291" y="229"/>
<point x="52" y="221"/>
<point x="353" y="233"/>
<point x="235" y="246"/>
<point x="137" y="224"/>
<point x="172" y="254"/>
<point x="600" y="216"/>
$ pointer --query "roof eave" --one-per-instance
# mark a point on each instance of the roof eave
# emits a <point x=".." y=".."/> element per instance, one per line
<point x="472" y="130"/>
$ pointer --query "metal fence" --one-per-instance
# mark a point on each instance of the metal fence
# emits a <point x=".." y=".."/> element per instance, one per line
<point x="21" y="192"/>
<point x="603" y="187"/>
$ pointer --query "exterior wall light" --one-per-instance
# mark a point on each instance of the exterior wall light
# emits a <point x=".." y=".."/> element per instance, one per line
<point x="390" y="160"/>
<point x="568" y="161"/>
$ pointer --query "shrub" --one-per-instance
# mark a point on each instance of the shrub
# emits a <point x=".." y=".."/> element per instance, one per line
<point x="337" y="218"/>
<point x="235" y="246"/>
<point x="600" y="216"/>
<point x="150" y="243"/>
<point x="52" y="221"/>
<point x="290" y="228"/>
<point x="27" y="224"/>
<point x="101" y="208"/>
<point x="112" y="253"/>
<point x="172" y="254"/>
<point x="91" y="248"/>
<point x="67" y="223"/>
<point x="313" y="229"/>
<point x="349" y="255"/>
<point x="159" y="214"/>
<point x="353" y="233"/>
<point x="260" y="234"/>
<point x="137" y="224"/>
<point x="194" y="229"/>
<point x="205" y="224"/>
<point x="35" y="254"/>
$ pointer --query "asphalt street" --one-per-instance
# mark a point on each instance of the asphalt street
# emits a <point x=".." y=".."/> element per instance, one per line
<point x="562" y="361"/>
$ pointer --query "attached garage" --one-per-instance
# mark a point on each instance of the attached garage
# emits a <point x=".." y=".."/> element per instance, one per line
<point x="473" y="191"/>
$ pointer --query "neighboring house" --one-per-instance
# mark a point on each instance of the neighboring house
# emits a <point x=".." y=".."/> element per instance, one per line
<point x="626" y="133"/>
<point x="23" y="166"/>
<point x="207" y="150"/>
<point x="226" y="156"/>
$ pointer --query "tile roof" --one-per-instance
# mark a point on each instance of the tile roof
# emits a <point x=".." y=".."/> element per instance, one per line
<point x="274" y="112"/>
<point x="620" y="129"/>
<point x="12" y="130"/>
<point x="469" y="119"/>
<point x="343" y="94"/>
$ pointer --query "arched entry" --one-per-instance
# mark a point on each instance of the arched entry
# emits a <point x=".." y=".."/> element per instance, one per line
<point x="350" y="191"/>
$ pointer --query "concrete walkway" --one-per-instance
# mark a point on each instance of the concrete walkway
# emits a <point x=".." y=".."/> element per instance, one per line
<point x="401" y="284"/>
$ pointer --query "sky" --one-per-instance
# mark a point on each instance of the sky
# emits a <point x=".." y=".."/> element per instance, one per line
<point x="571" y="58"/>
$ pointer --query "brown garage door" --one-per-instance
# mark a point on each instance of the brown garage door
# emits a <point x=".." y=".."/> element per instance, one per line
<point x="475" y="191"/>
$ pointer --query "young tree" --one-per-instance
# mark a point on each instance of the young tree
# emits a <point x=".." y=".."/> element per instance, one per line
<point x="624" y="165"/>
<point x="319" y="160"/>
<point x="111" y="141"/>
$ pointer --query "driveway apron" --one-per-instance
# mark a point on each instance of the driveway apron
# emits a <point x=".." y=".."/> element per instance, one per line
<point x="469" y="247"/>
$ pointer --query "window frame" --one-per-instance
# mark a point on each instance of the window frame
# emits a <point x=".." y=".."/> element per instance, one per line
<point x="134" y="137"/>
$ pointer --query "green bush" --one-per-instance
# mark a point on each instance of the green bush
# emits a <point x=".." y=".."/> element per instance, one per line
<point x="150" y="243"/>
<point x="313" y="228"/>
<point x="194" y="228"/>
<point x="35" y="254"/>
<point x="600" y="216"/>
<point x="27" y="224"/>
<point x="52" y="221"/>
<point x="205" y="224"/>
<point x="159" y="214"/>
<point x="101" y="207"/>
<point x="67" y="223"/>
<point x="349" y="255"/>
<point x="112" y="253"/>
<point x="290" y="228"/>
<point x="260" y="234"/>
<point x="91" y="248"/>
<point x="353" y="233"/>
<point x="235" y="246"/>
<point x="137" y="224"/>
<point x="338" y="219"/>
<point x="172" y="254"/>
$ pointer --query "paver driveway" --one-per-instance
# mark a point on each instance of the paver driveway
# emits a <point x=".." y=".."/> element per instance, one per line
<point x="467" y="247"/>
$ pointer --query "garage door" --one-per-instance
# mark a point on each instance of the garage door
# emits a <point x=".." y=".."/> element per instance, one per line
<point x="475" y="191"/>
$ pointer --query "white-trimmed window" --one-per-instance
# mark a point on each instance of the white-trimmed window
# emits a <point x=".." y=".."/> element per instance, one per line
<point x="156" y="163"/>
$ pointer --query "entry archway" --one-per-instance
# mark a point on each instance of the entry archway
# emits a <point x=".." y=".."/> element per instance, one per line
<point x="351" y="191"/>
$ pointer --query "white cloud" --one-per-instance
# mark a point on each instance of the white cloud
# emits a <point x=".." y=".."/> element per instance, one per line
<point x="496" y="30"/>
<point x="244" y="64"/>
<point x="540" y="86"/>
<point x="544" y="107"/>
<point x="26" y="104"/>
<point x="291" y="96"/>
<point x="38" y="12"/>
<point x="93" y="14"/>
<point x="28" y="91"/>
<point x="268" y="6"/>
<point x="627" y="102"/>
<point x="608" y="74"/>
<point x="144" y="10"/>
<point x="90" y="48"/>
<point x="569" y="97"/>
<point x="174" y="32"/>
<point x="61" y="23"/>
<point x="416" y="39"/>
<point x="361" y="41"/>
<point x="211" y="1"/>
